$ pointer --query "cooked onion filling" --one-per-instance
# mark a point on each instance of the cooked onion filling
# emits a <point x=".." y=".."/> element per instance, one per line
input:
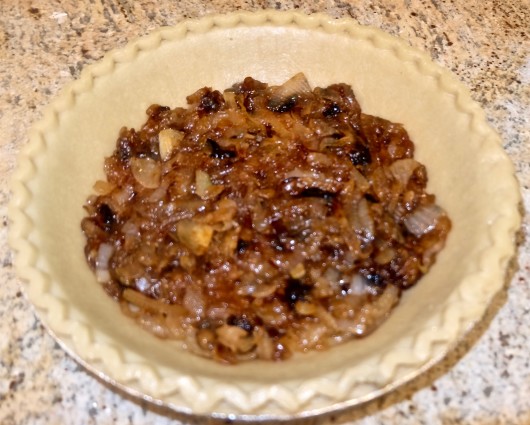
<point x="262" y="221"/>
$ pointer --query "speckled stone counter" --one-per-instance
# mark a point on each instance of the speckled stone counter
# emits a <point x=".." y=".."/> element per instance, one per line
<point x="44" y="45"/>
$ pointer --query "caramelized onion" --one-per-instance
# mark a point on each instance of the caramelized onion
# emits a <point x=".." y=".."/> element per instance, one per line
<point x="262" y="221"/>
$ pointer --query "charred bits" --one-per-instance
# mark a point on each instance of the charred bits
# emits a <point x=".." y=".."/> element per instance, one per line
<point x="374" y="279"/>
<point x="371" y="198"/>
<point x="241" y="322"/>
<point x="155" y="110"/>
<point x="124" y="148"/>
<point x="332" y="110"/>
<point x="218" y="152"/>
<point x="248" y="102"/>
<point x="296" y="290"/>
<point x="211" y="101"/>
<point x="242" y="246"/>
<point x="360" y="155"/>
<point x="329" y="197"/>
<point x="107" y="217"/>
<point x="282" y="107"/>
<point x="130" y="144"/>
<point x="316" y="192"/>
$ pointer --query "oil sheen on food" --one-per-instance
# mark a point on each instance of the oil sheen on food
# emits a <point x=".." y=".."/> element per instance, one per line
<point x="262" y="221"/>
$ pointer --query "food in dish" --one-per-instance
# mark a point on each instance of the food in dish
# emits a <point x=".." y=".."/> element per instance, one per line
<point x="263" y="220"/>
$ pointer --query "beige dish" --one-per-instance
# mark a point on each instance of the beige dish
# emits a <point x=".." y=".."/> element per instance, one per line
<point x="468" y="170"/>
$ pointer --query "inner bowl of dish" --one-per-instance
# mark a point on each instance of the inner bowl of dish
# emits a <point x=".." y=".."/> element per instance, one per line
<point x="468" y="172"/>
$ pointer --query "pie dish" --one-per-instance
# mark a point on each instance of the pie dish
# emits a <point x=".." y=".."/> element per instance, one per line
<point x="468" y="170"/>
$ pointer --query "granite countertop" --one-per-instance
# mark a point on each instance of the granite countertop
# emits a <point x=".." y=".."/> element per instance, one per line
<point x="44" y="45"/>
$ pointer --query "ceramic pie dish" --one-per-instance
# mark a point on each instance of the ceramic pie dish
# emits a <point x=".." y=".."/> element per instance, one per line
<point x="468" y="171"/>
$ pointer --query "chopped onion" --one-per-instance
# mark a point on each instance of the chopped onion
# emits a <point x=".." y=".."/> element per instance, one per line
<point x="102" y="275"/>
<point x="295" y="86"/>
<point x="332" y="275"/>
<point x="193" y="301"/>
<point x="402" y="169"/>
<point x="168" y="140"/>
<point x="365" y="219"/>
<point x="298" y="271"/>
<point x="325" y="317"/>
<point x="195" y="236"/>
<point x="298" y="173"/>
<point x="146" y="171"/>
<point x="298" y="180"/>
<point x="187" y="262"/>
<point x="129" y="270"/>
<point x="229" y="243"/>
<point x="122" y="196"/>
<point x="230" y="99"/>
<point x="204" y="187"/>
<point x="305" y="308"/>
<point x="358" y="285"/>
<point x="206" y="339"/>
<point x="333" y="142"/>
<point x="146" y="303"/>
<point x="222" y="219"/>
<point x="256" y="289"/>
<point x="265" y="346"/>
<point x="105" y="251"/>
<point x="260" y="218"/>
<point x="385" y="256"/>
<point x="158" y="194"/>
<point x="272" y="314"/>
<point x="361" y="220"/>
<point x="235" y="338"/>
<point x="423" y="219"/>
<point x="130" y="228"/>
<point x="102" y="187"/>
<point x="361" y="184"/>
<point x="311" y="335"/>
<point x="263" y="291"/>
<point x="318" y="159"/>
<point x="202" y="184"/>
<point x="218" y="313"/>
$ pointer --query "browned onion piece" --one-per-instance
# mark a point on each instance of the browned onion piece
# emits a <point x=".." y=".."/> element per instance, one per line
<point x="146" y="171"/>
<point x="195" y="236"/>
<point x="402" y="169"/>
<point x="150" y="304"/>
<point x="423" y="219"/>
<point x="292" y="88"/>
<point x="169" y="140"/>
